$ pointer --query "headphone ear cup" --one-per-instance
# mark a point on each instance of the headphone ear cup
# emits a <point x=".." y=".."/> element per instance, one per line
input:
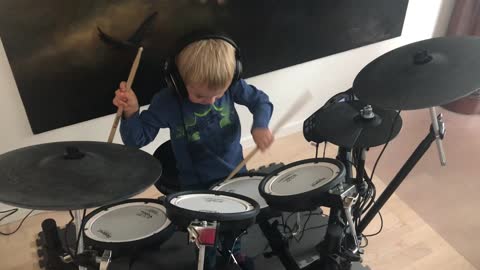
<point x="238" y="71"/>
<point x="167" y="75"/>
<point x="179" y="84"/>
<point x="173" y="79"/>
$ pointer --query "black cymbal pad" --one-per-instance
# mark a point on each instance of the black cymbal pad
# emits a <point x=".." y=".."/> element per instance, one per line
<point x="342" y="124"/>
<point x="423" y="74"/>
<point x="74" y="175"/>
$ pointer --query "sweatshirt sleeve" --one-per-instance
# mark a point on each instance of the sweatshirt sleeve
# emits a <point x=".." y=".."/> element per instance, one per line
<point x="255" y="100"/>
<point x="141" y="128"/>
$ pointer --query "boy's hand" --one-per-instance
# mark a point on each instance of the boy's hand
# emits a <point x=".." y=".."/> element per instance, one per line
<point x="263" y="138"/>
<point x="126" y="99"/>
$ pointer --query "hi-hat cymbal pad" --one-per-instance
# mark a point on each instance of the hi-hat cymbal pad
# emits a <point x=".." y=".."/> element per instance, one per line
<point x="354" y="124"/>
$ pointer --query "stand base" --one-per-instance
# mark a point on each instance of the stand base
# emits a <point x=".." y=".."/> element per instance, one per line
<point x="177" y="254"/>
<point x="55" y="263"/>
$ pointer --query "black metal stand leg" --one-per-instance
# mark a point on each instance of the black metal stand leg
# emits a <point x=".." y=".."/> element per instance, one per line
<point x="277" y="244"/>
<point x="344" y="155"/>
<point x="332" y="242"/>
<point x="397" y="180"/>
<point x="361" y="167"/>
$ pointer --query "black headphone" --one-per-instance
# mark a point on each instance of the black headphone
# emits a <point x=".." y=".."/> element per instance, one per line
<point x="172" y="75"/>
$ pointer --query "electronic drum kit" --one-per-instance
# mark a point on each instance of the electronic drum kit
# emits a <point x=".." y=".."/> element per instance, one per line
<point x="79" y="175"/>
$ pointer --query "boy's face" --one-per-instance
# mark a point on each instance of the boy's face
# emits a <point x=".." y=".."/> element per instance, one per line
<point x="201" y="94"/>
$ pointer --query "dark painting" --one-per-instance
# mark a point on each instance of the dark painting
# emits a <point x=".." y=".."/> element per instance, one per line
<point x="68" y="57"/>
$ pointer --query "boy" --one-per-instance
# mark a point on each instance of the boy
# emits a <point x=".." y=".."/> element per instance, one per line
<point x="204" y="125"/>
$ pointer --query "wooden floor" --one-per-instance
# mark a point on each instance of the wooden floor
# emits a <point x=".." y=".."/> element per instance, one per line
<point x="445" y="197"/>
<point x="407" y="242"/>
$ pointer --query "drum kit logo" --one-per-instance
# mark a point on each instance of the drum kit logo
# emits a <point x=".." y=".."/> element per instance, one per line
<point x="317" y="182"/>
<point x="214" y="200"/>
<point x="288" y="178"/>
<point x="107" y="235"/>
<point x="144" y="214"/>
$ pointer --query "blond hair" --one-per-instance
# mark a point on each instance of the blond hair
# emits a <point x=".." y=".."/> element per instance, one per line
<point x="209" y="62"/>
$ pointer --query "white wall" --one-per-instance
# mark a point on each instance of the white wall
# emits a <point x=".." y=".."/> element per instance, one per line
<point x="323" y="77"/>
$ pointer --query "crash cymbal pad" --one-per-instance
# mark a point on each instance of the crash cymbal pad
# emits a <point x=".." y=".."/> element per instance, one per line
<point x="423" y="74"/>
<point x="74" y="175"/>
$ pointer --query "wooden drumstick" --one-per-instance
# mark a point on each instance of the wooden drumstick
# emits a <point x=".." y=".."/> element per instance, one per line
<point x="131" y="77"/>
<point x="302" y="100"/>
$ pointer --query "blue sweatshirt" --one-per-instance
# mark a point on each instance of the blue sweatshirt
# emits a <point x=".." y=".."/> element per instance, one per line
<point x="211" y="148"/>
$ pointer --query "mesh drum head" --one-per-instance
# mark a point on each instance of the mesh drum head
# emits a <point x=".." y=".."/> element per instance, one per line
<point x="211" y="203"/>
<point x="244" y="185"/>
<point x="127" y="222"/>
<point x="302" y="178"/>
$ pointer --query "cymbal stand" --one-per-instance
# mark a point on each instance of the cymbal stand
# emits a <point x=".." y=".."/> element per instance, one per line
<point x="279" y="244"/>
<point x="436" y="130"/>
<point x="298" y="226"/>
<point x="77" y="214"/>
<point x="345" y="156"/>
<point x="404" y="171"/>
<point x="341" y="219"/>
<point x="361" y="166"/>
<point x="91" y="259"/>
<point x="347" y="205"/>
<point x="332" y="244"/>
<point x="82" y="258"/>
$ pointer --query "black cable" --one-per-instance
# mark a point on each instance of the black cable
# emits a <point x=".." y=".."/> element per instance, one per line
<point x="72" y="218"/>
<point x="385" y="146"/>
<point x="296" y="226"/>
<point x="379" y="230"/>
<point x="316" y="151"/>
<point x="9" y="210"/>
<point x="82" y="224"/>
<point x="304" y="226"/>
<point x="372" y="198"/>
<point x="289" y="216"/>
<point x="368" y="202"/>
<point x="356" y="209"/>
<point x="371" y="194"/>
<point x="324" y="149"/>
<point x="67" y="245"/>
<point x="371" y="191"/>
<point x="263" y="251"/>
<point x="317" y="227"/>
<point x="12" y="211"/>
<point x="353" y="164"/>
<point x="366" y="242"/>
<point x="285" y="225"/>
<point x="20" y="225"/>
<point x="290" y="231"/>
<point x="317" y="214"/>
<point x="234" y="243"/>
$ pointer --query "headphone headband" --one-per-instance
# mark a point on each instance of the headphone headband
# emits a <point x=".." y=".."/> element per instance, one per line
<point x="171" y="73"/>
<point x="199" y="36"/>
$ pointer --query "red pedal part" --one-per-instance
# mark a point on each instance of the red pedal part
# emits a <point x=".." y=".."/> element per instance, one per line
<point x="206" y="236"/>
